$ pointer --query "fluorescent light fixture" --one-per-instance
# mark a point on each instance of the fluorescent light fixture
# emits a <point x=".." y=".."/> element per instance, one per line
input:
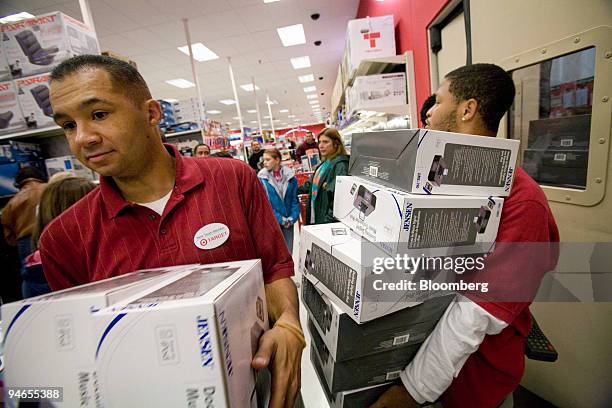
<point x="254" y="121"/>
<point x="312" y="96"/>
<point x="306" y="78"/>
<point x="283" y="111"/>
<point x="200" y="52"/>
<point x="310" y="89"/>
<point x="181" y="83"/>
<point x="300" y="62"/>
<point x="276" y="120"/>
<point x="292" y="35"/>
<point x="313" y="102"/>
<point x="235" y="117"/>
<point x="291" y="116"/>
<point x="270" y="1"/>
<point x="249" y="87"/>
<point x="266" y="117"/>
<point x="213" y="112"/>
<point x="228" y="101"/>
<point x="15" y="17"/>
<point x="272" y="102"/>
<point x="251" y="110"/>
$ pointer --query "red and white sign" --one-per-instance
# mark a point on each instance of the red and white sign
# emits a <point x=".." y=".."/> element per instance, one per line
<point x="211" y="236"/>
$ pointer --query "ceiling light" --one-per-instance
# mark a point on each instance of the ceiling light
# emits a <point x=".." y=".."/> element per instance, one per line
<point x="283" y="111"/>
<point x="254" y="121"/>
<point x="313" y="102"/>
<point x="306" y="78"/>
<point x="291" y="116"/>
<point x="270" y="1"/>
<point x="180" y="83"/>
<point x="310" y="89"/>
<point x="276" y="120"/>
<point x="300" y="62"/>
<point x="200" y="52"/>
<point x="249" y="87"/>
<point x="15" y="17"/>
<point x="252" y="111"/>
<point x="311" y="96"/>
<point x="272" y="102"/>
<point x="213" y="112"/>
<point x="228" y="101"/>
<point x="266" y="117"/>
<point x="292" y="35"/>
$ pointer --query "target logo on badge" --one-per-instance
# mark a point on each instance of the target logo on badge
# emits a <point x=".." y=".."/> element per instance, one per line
<point x="211" y="236"/>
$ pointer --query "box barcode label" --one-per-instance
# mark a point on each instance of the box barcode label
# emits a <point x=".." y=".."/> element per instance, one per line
<point x="560" y="157"/>
<point x="567" y="142"/>
<point x="392" y="375"/>
<point x="373" y="171"/>
<point x="397" y="340"/>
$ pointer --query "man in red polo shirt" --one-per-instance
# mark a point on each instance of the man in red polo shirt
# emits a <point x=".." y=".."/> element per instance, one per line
<point x="475" y="356"/>
<point x="154" y="206"/>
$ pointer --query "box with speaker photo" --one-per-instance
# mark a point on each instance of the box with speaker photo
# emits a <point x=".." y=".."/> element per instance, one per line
<point x="33" y="96"/>
<point x="422" y="161"/>
<point x="45" y="333"/>
<point x="11" y="118"/>
<point x="361" y="372"/>
<point x="36" y="45"/>
<point x="358" y="398"/>
<point x="193" y="341"/>
<point x="340" y="265"/>
<point x="346" y="340"/>
<point x="403" y="223"/>
<point x="369" y="38"/>
<point x="70" y="164"/>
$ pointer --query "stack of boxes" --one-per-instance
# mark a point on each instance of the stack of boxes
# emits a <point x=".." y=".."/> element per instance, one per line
<point x="177" y="336"/>
<point x="28" y="52"/>
<point x="415" y="193"/>
<point x="168" y="118"/>
<point x="13" y="156"/>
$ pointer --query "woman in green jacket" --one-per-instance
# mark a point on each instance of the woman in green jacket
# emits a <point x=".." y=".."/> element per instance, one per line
<point x="321" y="186"/>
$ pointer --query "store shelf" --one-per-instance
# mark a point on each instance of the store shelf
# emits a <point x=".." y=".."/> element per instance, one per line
<point x="377" y="66"/>
<point x="184" y="133"/>
<point x="38" y="133"/>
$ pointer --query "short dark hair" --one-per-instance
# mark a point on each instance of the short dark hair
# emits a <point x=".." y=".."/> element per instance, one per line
<point x="429" y="102"/>
<point x="28" y="173"/>
<point x="123" y="75"/>
<point x="489" y="84"/>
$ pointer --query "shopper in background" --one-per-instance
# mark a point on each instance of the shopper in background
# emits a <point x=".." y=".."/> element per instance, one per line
<point x="58" y="196"/>
<point x="322" y="185"/>
<point x="281" y="186"/>
<point x="201" y="150"/>
<point x="427" y="105"/>
<point x="309" y="143"/>
<point x="474" y="357"/>
<point x="20" y="212"/>
<point x="256" y="155"/>
<point x="152" y="202"/>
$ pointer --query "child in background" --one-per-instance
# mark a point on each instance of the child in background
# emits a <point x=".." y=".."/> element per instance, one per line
<point x="58" y="196"/>
<point x="281" y="186"/>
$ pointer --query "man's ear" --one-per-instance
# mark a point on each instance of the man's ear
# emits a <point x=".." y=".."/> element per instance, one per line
<point x="153" y="109"/>
<point x="469" y="109"/>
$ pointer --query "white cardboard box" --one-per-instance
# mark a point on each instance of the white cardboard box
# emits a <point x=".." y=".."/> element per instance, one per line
<point x="401" y="223"/>
<point x="33" y="95"/>
<point x="48" y="339"/>
<point x="37" y="44"/>
<point x="69" y="164"/>
<point x="422" y="161"/>
<point x="189" y="343"/>
<point x="346" y="340"/>
<point x="376" y="91"/>
<point x="368" y="38"/>
<point x="339" y="264"/>
<point x="11" y="118"/>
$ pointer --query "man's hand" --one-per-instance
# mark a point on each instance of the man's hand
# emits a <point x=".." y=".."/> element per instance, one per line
<point x="396" y="397"/>
<point x="281" y="349"/>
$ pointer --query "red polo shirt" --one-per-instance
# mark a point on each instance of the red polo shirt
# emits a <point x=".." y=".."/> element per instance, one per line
<point x="103" y="235"/>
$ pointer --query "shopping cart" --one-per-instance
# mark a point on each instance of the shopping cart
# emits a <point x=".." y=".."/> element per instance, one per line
<point x="303" y="199"/>
<point x="303" y="176"/>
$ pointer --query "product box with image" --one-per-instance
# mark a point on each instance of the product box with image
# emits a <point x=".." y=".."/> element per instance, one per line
<point x="33" y="96"/>
<point x="376" y="91"/>
<point x="403" y="223"/>
<point x="358" y="398"/>
<point x="190" y="343"/>
<point x="48" y="340"/>
<point x="422" y="161"/>
<point x="346" y="340"/>
<point x="361" y="372"/>
<point x="340" y="265"/>
<point x="368" y="38"/>
<point x="69" y="164"/>
<point x="11" y="118"/>
<point x="5" y="73"/>
<point x="35" y="45"/>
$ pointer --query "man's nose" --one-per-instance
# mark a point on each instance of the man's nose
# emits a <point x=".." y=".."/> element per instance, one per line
<point x="86" y="134"/>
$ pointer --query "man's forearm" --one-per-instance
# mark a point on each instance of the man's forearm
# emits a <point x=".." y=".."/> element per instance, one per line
<point x="282" y="299"/>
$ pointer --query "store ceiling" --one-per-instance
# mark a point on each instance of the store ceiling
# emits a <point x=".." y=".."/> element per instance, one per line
<point x="149" y="32"/>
